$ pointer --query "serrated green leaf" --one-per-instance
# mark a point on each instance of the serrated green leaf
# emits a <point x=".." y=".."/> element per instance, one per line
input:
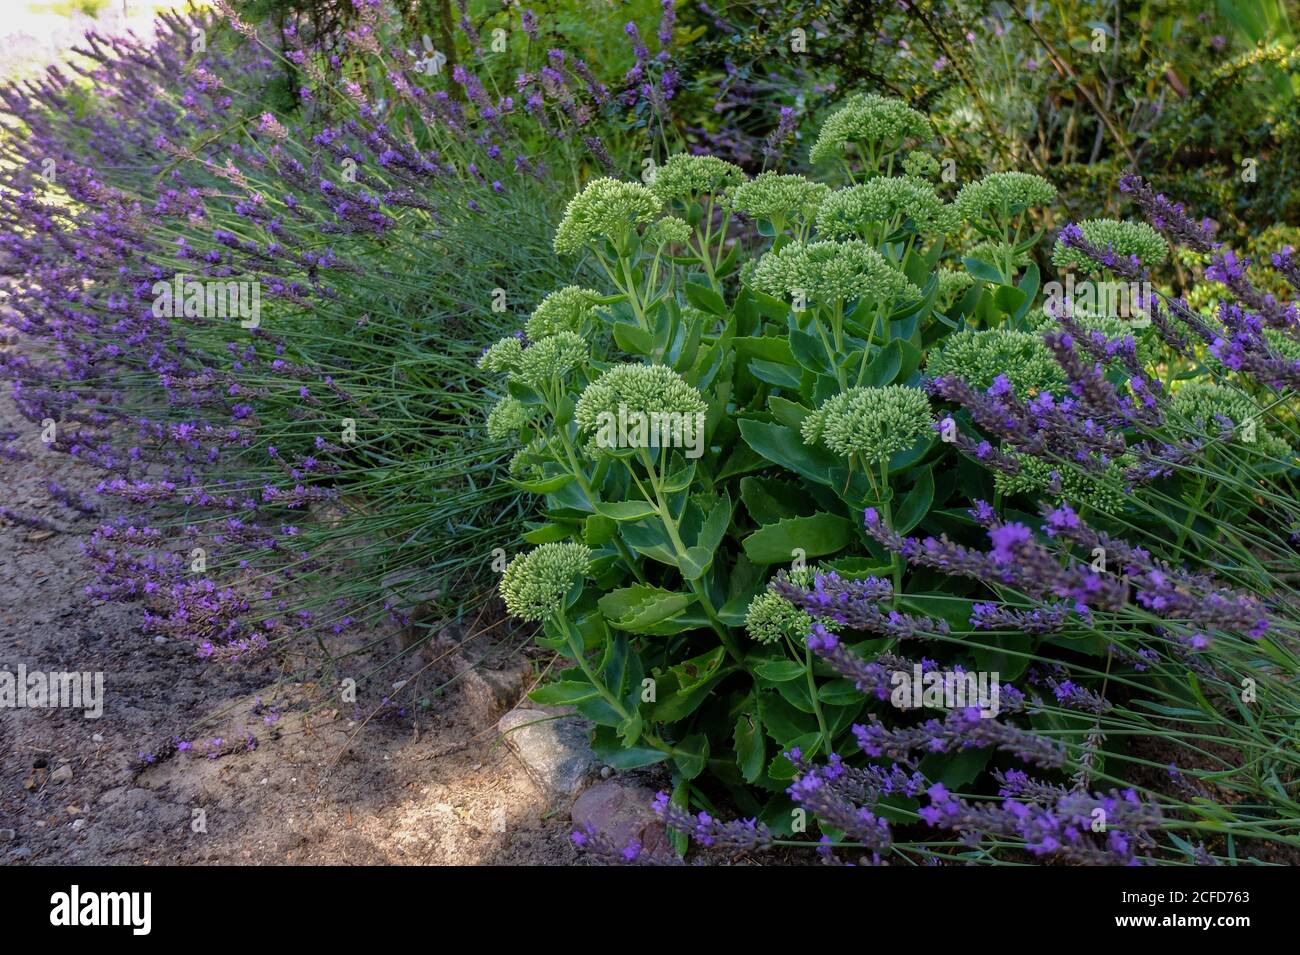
<point x="562" y="693"/>
<point x="783" y="376"/>
<point x="704" y="298"/>
<point x="916" y="504"/>
<point x="691" y="755"/>
<point x="784" y="446"/>
<point x="779" y="671"/>
<point x="626" y="510"/>
<point x="815" y="535"/>
<point x="751" y="748"/>
<point x="651" y="606"/>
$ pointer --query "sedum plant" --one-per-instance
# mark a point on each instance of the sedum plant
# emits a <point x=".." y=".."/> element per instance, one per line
<point x="800" y="460"/>
<point x="745" y="387"/>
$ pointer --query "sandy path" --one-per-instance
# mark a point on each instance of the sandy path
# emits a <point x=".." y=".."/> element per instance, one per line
<point x="406" y="790"/>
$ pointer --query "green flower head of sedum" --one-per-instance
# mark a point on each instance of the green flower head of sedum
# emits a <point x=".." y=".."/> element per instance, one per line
<point x="1145" y="338"/>
<point x="536" y="584"/>
<point x="1208" y="408"/>
<point x="1003" y="195"/>
<point x="1104" y="491"/>
<point x="570" y="309"/>
<point x="607" y="208"/>
<point x="878" y="124"/>
<point x="872" y="423"/>
<point x="746" y="273"/>
<point x="828" y="272"/>
<point x="953" y="284"/>
<point x="977" y="357"/>
<point x="503" y="355"/>
<point x="528" y="460"/>
<point x="771" y="618"/>
<point x="1282" y="343"/>
<point x="507" y="417"/>
<point x="858" y="211"/>
<point x="920" y="164"/>
<point x="1124" y="238"/>
<point x="685" y="177"/>
<point x="636" y="389"/>
<point x="779" y="198"/>
<point x="552" y="357"/>
<point x="669" y="229"/>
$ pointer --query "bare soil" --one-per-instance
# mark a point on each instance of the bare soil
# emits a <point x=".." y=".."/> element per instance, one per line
<point x="279" y="772"/>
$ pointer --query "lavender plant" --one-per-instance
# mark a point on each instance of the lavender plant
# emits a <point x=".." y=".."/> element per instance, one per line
<point x="247" y="467"/>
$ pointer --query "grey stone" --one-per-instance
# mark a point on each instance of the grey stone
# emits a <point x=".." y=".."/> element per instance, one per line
<point x="490" y="685"/>
<point x="491" y="691"/>
<point x="551" y="743"/>
<point x="62" y="775"/>
<point x="8" y="835"/>
<point x="621" y="811"/>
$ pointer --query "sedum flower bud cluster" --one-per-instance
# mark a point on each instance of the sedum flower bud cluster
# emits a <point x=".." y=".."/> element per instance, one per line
<point x="608" y="209"/>
<point x="636" y="389"/>
<point x="507" y="418"/>
<point x="1207" y="409"/>
<point x="684" y="177"/>
<point x="771" y="618"/>
<point x="535" y="585"/>
<point x="878" y="123"/>
<point x="570" y="309"/>
<point x="779" y="198"/>
<point x="1003" y="194"/>
<point x="870" y="423"/>
<point x="1123" y="238"/>
<point x="827" y="272"/>
<point x="977" y="357"/>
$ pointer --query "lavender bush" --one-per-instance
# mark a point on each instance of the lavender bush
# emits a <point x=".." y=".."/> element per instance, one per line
<point x="402" y="206"/>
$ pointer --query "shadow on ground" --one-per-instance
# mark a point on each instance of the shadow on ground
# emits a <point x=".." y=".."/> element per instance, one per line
<point x="277" y="772"/>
